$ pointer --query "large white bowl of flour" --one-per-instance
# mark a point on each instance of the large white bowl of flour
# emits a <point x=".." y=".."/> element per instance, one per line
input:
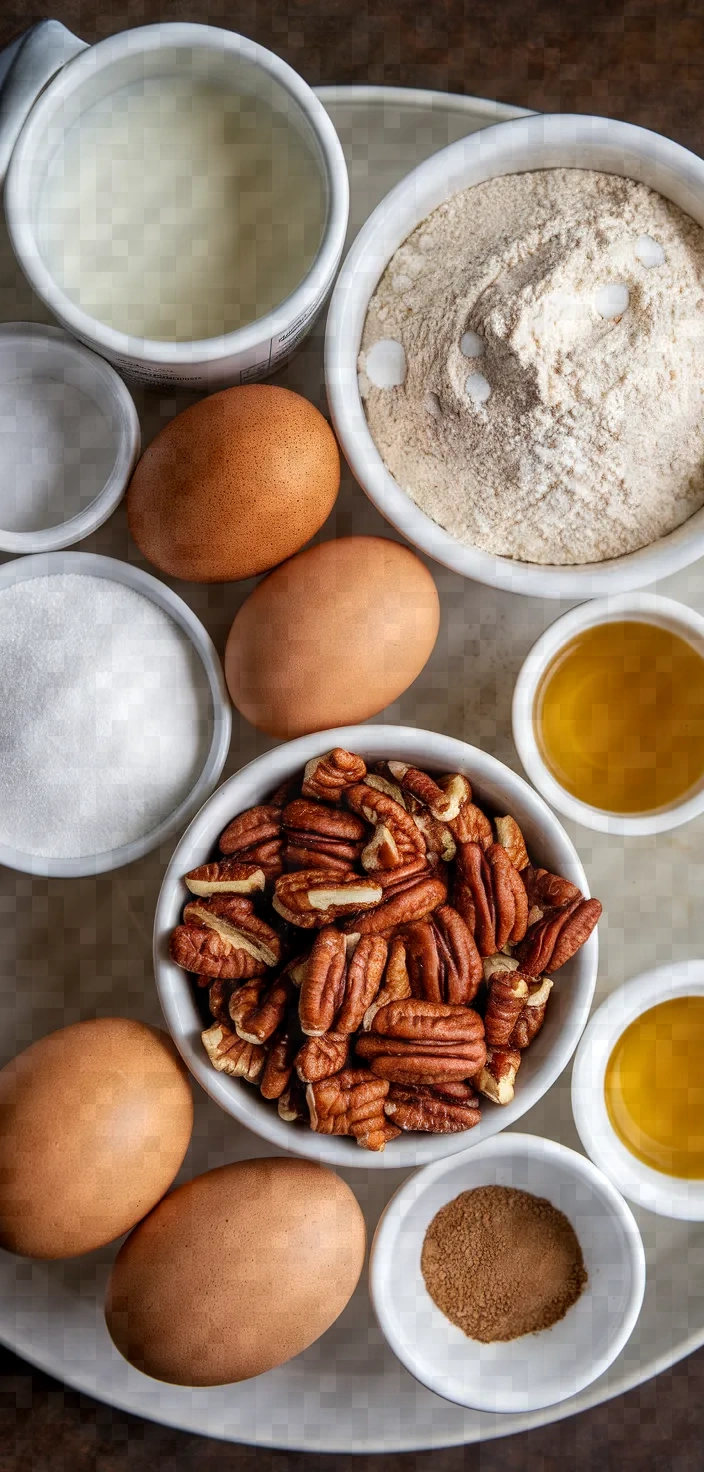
<point x="567" y="461"/>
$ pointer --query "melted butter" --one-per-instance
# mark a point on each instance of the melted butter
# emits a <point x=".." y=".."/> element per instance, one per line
<point x="620" y="717"/>
<point x="654" y="1088"/>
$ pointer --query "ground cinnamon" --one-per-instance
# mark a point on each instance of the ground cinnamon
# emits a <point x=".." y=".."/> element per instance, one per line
<point x="501" y="1263"/>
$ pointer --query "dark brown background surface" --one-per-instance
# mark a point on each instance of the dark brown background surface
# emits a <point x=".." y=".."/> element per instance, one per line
<point x="642" y="61"/>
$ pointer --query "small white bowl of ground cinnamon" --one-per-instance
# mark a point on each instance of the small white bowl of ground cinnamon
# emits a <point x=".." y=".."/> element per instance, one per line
<point x="509" y="1277"/>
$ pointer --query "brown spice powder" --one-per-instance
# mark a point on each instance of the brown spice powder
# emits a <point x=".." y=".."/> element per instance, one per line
<point x="501" y="1263"/>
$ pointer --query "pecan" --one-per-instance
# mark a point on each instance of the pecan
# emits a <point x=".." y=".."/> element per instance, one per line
<point x="292" y="1103"/>
<point x="444" y="964"/>
<point x="328" y="776"/>
<point x="230" y="1054"/>
<point x="382" y="851"/>
<point x="413" y="903"/>
<point x="500" y="962"/>
<point x="278" y="1068"/>
<point x="376" y="807"/>
<point x="443" y="799"/>
<point x="250" y="829"/>
<point x="229" y="877"/>
<point x="258" y="1008"/>
<point x="350" y="1103"/>
<point x="382" y="784"/>
<point x="363" y="980"/>
<point x="419" y="1042"/>
<point x="209" y="956"/>
<point x="313" y="897"/>
<point x="533" y="1015"/>
<point x="313" y="819"/>
<point x="395" y="881"/>
<point x="488" y="897"/>
<point x="232" y="918"/>
<point x="509" y="835"/>
<point x="458" y="792"/>
<point x="472" y="826"/>
<point x="440" y="846"/>
<point x="299" y="856"/>
<point x="428" y="1109"/>
<point x="219" y="993"/>
<point x="508" y="991"/>
<point x="558" y="936"/>
<point x="320" y="1057"/>
<point x="396" y="983"/>
<point x="497" y="1078"/>
<point x="322" y="988"/>
<point x="548" y="891"/>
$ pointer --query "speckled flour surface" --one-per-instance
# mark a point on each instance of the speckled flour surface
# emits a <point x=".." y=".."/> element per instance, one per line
<point x="590" y="443"/>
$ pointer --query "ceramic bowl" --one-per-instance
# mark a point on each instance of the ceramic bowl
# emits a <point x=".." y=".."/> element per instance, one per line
<point x="642" y="608"/>
<point x="493" y="783"/>
<point x="535" y="142"/>
<point x="669" y="1196"/>
<point x="536" y="1370"/>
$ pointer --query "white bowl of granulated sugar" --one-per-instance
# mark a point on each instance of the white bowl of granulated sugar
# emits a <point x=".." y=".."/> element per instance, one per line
<point x="515" y="372"/>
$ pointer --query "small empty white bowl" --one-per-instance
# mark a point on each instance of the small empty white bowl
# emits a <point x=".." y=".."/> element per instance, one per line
<point x="670" y="1196"/>
<point x="69" y="439"/>
<point x="536" y="1370"/>
<point x="632" y="607"/>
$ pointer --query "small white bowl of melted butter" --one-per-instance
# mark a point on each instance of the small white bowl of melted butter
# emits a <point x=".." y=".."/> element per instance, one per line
<point x="513" y="356"/>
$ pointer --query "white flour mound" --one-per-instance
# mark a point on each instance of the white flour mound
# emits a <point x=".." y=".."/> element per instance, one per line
<point x="590" y="440"/>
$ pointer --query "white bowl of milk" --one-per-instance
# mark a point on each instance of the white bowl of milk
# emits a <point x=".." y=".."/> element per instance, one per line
<point x="178" y="198"/>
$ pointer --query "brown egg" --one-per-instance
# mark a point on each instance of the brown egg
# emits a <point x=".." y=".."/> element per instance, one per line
<point x="94" y="1123"/>
<point x="234" y="484"/>
<point x="332" y="637"/>
<point x="236" y="1272"/>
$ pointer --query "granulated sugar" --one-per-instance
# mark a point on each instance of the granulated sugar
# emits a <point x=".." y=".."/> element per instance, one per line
<point x="105" y="715"/>
<point x="552" y="325"/>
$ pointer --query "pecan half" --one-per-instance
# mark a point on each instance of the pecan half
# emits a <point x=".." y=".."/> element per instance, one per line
<point x="498" y="1076"/>
<point x="229" y="877"/>
<point x="431" y="1110"/>
<point x="230" y="1054"/>
<point x="558" y="936"/>
<point x="396" y="983"/>
<point x="322" y="987"/>
<point x="298" y="856"/>
<point x="210" y="957"/>
<point x="382" y="784"/>
<point x="278" y="1068"/>
<point x="315" y="820"/>
<point x="419" y="1042"/>
<point x="444" y="964"/>
<point x="320" y="1057"/>
<point x="377" y="808"/>
<point x="472" y="826"/>
<point x="509" y="835"/>
<point x="548" y="891"/>
<point x="312" y="898"/>
<point x="490" y="897"/>
<point x="350" y="1103"/>
<point x="232" y="917"/>
<point x="508" y="991"/>
<point x="249" y="829"/>
<point x="414" y="903"/>
<point x="258" y="1008"/>
<point x="327" y="776"/>
<point x="382" y="851"/>
<point x="364" y="975"/>
<point x="292" y="1104"/>
<point x="219" y="993"/>
<point x="533" y="1015"/>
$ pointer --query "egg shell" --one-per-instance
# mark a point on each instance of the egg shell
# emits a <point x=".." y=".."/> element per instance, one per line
<point x="236" y="1271"/>
<point x="234" y="484"/>
<point x="94" y="1123"/>
<point x="332" y="636"/>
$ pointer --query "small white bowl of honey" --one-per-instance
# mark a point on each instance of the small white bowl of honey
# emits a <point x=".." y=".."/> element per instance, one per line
<point x="638" y="1090"/>
<point x="608" y="714"/>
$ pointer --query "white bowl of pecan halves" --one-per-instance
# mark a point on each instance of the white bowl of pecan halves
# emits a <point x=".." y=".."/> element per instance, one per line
<point x="376" y="937"/>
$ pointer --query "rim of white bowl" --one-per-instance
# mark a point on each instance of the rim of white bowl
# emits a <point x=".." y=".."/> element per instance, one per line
<point x="183" y="35"/>
<point x="560" y="138"/>
<point x="90" y="564"/>
<point x="126" y="433"/>
<point x="251" y="785"/>
<point x="670" y="1196"/>
<point x="532" y="1147"/>
<point x="650" y="607"/>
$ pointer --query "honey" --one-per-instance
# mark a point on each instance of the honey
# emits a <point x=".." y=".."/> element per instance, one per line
<point x="654" y="1088"/>
<point x="619" y="717"/>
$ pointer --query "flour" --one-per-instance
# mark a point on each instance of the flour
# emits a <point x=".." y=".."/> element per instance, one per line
<point x="590" y="440"/>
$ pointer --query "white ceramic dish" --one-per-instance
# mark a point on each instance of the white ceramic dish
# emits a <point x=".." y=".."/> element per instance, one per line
<point x="88" y="564"/>
<point x="492" y="782"/>
<point x="36" y="110"/>
<point x="535" y="142"/>
<point x="667" y="1195"/>
<point x="99" y="452"/>
<point x="534" y="1371"/>
<point x="641" y="607"/>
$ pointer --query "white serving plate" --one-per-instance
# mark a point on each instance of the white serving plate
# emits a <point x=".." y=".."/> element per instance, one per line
<point x="77" y="948"/>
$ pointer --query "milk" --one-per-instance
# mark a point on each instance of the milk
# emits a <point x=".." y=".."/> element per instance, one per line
<point x="178" y="209"/>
